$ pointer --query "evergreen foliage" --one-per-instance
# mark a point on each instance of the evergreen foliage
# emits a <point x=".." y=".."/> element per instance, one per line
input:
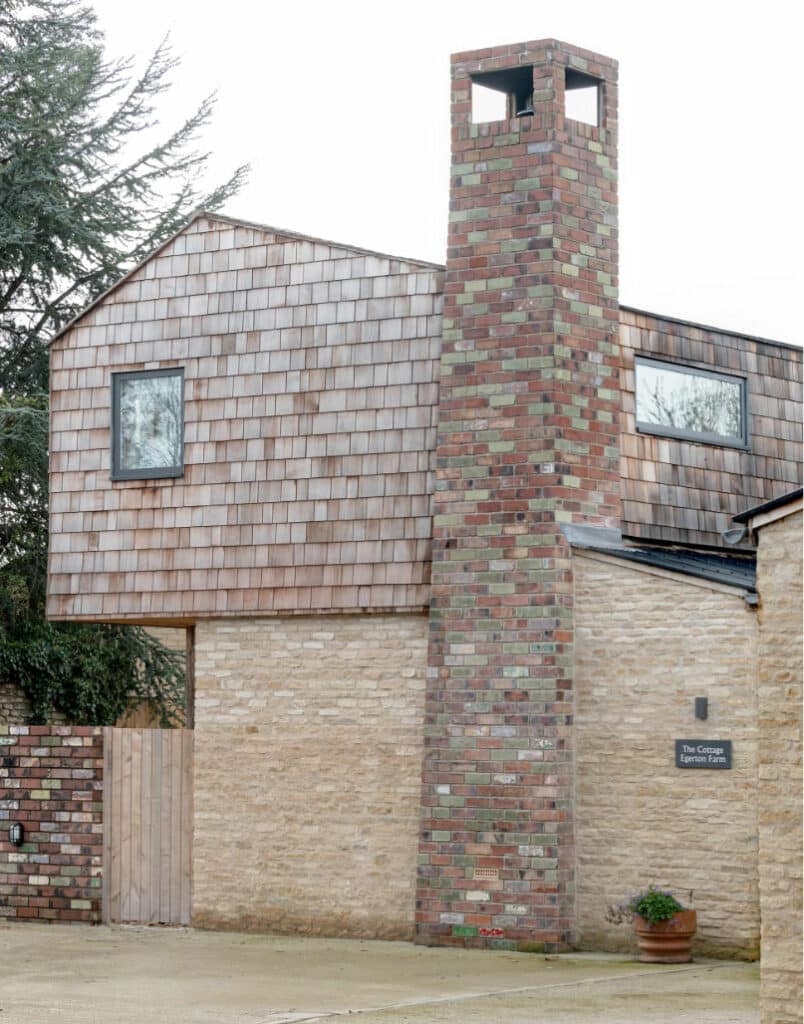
<point x="79" y="206"/>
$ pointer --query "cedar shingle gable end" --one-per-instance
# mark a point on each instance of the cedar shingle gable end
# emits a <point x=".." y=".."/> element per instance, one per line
<point x="203" y="220"/>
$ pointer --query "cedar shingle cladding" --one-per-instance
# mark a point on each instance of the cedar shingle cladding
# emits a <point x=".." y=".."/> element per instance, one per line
<point x="310" y="408"/>
<point x="312" y="380"/>
<point x="687" y="492"/>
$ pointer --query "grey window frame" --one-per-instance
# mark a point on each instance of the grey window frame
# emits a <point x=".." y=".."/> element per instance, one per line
<point x="152" y="472"/>
<point x="681" y="433"/>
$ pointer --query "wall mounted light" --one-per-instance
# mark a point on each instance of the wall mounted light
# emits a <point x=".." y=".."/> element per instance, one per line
<point x="16" y="834"/>
<point x="701" y="707"/>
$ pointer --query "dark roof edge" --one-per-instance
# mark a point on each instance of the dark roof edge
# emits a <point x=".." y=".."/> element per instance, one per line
<point x="239" y="222"/>
<point x="709" y="327"/>
<point x="727" y="570"/>
<point x="635" y="557"/>
<point x="769" y="506"/>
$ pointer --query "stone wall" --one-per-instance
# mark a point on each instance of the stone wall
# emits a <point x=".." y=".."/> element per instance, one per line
<point x="308" y="750"/>
<point x="173" y="638"/>
<point x="779" y="571"/>
<point x="647" y="644"/>
<point x="15" y="707"/>
<point x="51" y="779"/>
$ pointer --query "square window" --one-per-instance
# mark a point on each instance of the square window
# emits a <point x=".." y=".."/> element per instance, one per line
<point x="148" y="424"/>
<point x="692" y="404"/>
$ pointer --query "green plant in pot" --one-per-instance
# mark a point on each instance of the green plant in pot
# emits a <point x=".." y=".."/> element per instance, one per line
<point x="664" y="928"/>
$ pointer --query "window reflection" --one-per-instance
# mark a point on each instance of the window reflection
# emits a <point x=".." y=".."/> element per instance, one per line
<point x="150" y="422"/>
<point x="690" y="402"/>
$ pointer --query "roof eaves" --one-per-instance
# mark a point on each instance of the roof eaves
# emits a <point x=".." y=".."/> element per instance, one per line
<point x="708" y="327"/>
<point x="769" y="506"/>
<point x="727" y="570"/>
<point x="297" y="235"/>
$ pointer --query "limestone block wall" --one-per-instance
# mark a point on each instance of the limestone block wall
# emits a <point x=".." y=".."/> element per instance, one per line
<point x="779" y="572"/>
<point x="15" y="707"/>
<point x="175" y="639"/>
<point x="308" y="752"/>
<point x="646" y="645"/>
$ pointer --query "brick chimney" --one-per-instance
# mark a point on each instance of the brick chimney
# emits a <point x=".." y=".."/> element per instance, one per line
<point x="528" y="441"/>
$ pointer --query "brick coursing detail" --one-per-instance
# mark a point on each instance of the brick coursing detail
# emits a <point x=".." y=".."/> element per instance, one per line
<point x="51" y="778"/>
<point x="779" y="575"/>
<point x="527" y="440"/>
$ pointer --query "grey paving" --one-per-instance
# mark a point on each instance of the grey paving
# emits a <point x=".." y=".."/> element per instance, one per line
<point x="83" y="975"/>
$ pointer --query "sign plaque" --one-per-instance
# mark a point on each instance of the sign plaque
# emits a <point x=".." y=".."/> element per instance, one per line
<point x="703" y="753"/>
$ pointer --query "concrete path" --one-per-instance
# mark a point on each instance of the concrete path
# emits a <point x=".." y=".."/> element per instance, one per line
<point x="84" y="975"/>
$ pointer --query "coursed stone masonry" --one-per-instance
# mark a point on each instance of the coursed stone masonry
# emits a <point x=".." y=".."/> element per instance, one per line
<point x="15" y="708"/>
<point x="308" y="748"/>
<point x="647" y="644"/>
<point x="779" y="572"/>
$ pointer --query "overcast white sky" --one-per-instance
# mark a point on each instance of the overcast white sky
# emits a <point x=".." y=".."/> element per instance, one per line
<point x="342" y="109"/>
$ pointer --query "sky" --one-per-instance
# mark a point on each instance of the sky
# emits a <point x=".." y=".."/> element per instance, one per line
<point x="342" y="110"/>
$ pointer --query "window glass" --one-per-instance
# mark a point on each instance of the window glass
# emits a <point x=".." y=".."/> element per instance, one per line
<point x="148" y="423"/>
<point x="685" y="402"/>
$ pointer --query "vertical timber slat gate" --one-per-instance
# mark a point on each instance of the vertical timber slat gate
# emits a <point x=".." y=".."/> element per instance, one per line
<point x="147" y="825"/>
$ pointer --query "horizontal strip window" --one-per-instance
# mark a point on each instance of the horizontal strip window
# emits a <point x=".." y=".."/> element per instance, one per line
<point x="691" y="404"/>
<point x="148" y="424"/>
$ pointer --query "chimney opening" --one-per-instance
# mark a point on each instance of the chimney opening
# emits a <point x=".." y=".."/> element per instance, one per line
<point x="581" y="97"/>
<point x="488" y="104"/>
<point x="498" y="95"/>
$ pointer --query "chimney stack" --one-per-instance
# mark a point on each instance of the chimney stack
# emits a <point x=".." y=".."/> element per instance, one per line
<point x="528" y="441"/>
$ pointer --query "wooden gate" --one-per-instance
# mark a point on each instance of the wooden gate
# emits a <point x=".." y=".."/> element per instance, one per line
<point x="147" y="825"/>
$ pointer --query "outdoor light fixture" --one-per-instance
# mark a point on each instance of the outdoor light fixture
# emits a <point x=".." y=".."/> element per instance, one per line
<point x="701" y="707"/>
<point x="16" y="834"/>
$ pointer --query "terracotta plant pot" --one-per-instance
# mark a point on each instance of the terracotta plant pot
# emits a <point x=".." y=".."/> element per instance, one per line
<point x="666" y="942"/>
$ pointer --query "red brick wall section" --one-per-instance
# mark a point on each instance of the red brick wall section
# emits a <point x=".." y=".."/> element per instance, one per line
<point x="528" y="440"/>
<point x="51" y="780"/>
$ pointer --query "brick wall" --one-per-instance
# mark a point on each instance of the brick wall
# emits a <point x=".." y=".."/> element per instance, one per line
<point x="527" y="440"/>
<point x="779" y="572"/>
<point x="50" y="780"/>
<point x="308" y="748"/>
<point x="646" y="645"/>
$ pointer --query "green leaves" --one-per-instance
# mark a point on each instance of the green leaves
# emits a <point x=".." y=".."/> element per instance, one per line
<point x="655" y="905"/>
<point x="93" y="673"/>
<point x="90" y="673"/>
<point x="23" y="506"/>
<point x="79" y="202"/>
<point x="85" y="194"/>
